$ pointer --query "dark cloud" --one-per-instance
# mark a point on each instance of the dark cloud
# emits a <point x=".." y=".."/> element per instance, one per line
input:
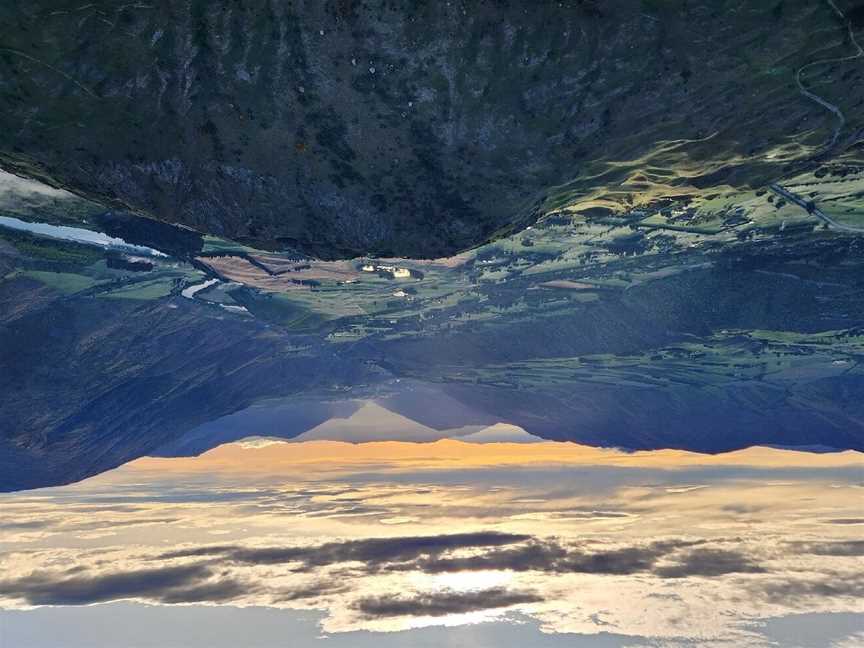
<point x="179" y="584"/>
<point x="741" y="508"/>
<point x="213" y="592"/>
<point x="319" y="589"/>
<point x="830" y="548"/>
<point x="550" y="556"/>
<point x="117" y="508"/>
<point x="593" y="515"/>
<point x="537" y="555"/>
<point x="435" y="554"/>
<point x="341" y="510"/>
<point x="196" y="552"/>
<point x="797" y="591"/>
<point x="628" y="560"/>
<point x="704" y="561"/>
<point x="443" y="603"/>
<point x="24" y="525"/>
<point x="374" y="552"/>
<point x="844" y="521"/>
<point x="99" y="524"/>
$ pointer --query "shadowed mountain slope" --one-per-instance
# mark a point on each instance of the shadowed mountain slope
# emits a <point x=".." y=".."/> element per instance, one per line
<point x="340" y="128"/>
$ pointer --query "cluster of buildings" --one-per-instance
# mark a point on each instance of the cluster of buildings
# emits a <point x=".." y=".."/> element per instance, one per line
<point x="391" y="271"/>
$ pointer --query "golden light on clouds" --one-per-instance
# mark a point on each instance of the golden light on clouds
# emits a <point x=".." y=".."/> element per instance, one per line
<point x="392" y="536"/>
<point x="273" y="456"/>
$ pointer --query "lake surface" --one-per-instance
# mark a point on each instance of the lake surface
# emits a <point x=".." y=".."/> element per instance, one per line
<point x="76" y="235"/>
<point x="445" y="543"/>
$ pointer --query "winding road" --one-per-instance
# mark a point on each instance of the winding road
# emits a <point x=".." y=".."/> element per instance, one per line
<point x="811" y="208"/>
<point x="814" y="97"/>
<point x="777" y="188"/>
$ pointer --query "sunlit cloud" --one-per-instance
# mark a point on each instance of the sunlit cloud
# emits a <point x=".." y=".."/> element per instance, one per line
<point x="573" y="539"/>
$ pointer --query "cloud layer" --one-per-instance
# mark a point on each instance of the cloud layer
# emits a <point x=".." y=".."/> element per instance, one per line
<point x="700" y="551"/>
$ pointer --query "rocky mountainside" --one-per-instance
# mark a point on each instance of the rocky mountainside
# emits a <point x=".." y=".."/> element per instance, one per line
<point x="339" y="128"/>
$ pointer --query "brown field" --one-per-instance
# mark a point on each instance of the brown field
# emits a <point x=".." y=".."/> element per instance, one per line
<point x="565" y="284"/>
<point x="286" y="272"/>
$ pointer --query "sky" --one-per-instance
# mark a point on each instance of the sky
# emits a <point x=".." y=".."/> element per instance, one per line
<point x="500" y="541"/>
